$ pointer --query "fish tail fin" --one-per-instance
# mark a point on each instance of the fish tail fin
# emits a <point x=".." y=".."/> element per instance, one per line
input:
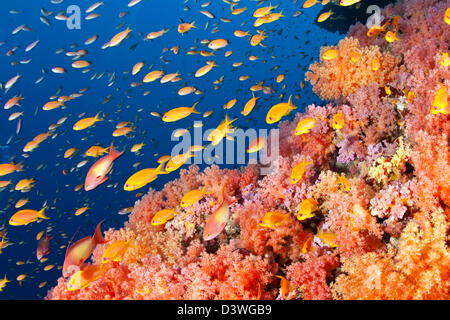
<point x="98" y="237"/>
<point x="192" y="24"/>
<point x="291" y="105"/>
<point x="97" y="117"/>
<point x="41" y="213"/>
<point x="161" y="166"/>
<point x="193" y="108"/>
<point x="113" y="153"/>
<point x="205" y="192"/>
<point x="213" y="63"/>
<point x="19" y="166"/>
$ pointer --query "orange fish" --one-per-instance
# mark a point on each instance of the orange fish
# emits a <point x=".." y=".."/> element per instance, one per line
<point x="24" y="217"/>
<point x="218" y="220"/>
<point x="273" y="219"/>
<point x="83" y="277"/>
<point x="285" y="287"/>
<point x="185" y="27"/>
<point x="8" y="168"/>
<point x="118" y="38"/>
<point x="299" y="170"/>
<point x="97" y="173"/>
<point x="162" y="216"/>
<point x="440" y="102"/>
<point x="80" y="251"/>
<point x="330" y="54"/>
<point x="43" y="247"/>
<point x="256" y="145"/>
<point x="205" y="69"/>
<point x="309" y="3"/>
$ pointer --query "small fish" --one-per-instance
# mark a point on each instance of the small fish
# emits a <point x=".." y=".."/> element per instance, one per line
<point x="86" y="122"/>
<point x="391" y="37"/>
<point x="249" y="105"/>
<point x="69" y="152"/>
<point x="261" y="12"/>
<point x="298" y="170"/>
<point x="445" y="60"/>
<point x="306" y="209"/>
<point x="222" y="131"/>
<point x="80" y="251"/>
<point x="330" y="54"/>
<point x="375" y="30"/>
<point x="24" y="217"/>
<point x="124" y="211"/>
<point x="305" y="125"/>
<point x="185" y="27"/>
<point x="257" y="144"/>
<point x="162" y="216"/>
<point x="80" y="211"/>
<point x="3" y="283"/>
<point x="338" y="121"/>
<point x="205" y="69"/>
<point x="285" y="287"/>
<point x="343" y="181"/>
<point x="118" y="38"/>
<point x="179" y="113"/>
<point x="279" y="110"/>
<point x="192" y="197"/>
<point x="324" y="16"/>
<point x="8" y="168"/>
<point x="96" y="151"/>
<point x="376" y="64"/>
<point x="273" y="219"/>
<point x="440" y="102"/>
<point x="116" y="250"/>
<point x="218" y="220"/>
<point x="143" y="177"/>
<point x="84" y="277"/>
<point x="328" y="238"/>
<point x="177" y="161"/>
<point x="97" y="173"/>
<point x="43" y="247"/>
<point x="309" y="3"/>
<point x="346" y="3"/>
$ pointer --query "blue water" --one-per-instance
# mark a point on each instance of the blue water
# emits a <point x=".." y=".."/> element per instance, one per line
<point x="293" y="49"/>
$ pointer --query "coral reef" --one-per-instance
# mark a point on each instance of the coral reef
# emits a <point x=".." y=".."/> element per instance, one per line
<point x="381" y="227"/>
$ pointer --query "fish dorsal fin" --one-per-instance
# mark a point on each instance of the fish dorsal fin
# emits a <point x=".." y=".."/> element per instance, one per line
<point x="98" y="237"/>
<point x="68" y="245"/>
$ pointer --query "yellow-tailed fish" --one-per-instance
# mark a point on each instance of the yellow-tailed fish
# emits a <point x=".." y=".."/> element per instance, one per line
<point x="299" y="170"/>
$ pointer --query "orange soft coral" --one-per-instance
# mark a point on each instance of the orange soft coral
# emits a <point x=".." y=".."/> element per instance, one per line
<point x="339" y="77"/>
<point x="418" y="269"/>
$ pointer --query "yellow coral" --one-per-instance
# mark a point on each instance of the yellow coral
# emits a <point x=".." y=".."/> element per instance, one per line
<point x="388" y="170"/>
